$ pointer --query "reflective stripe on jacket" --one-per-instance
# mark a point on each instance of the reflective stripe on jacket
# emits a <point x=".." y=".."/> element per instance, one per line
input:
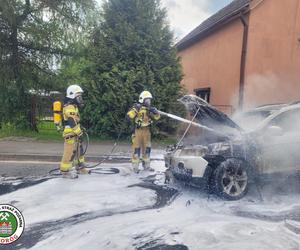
<point x="71" y="120"/>
<point x="142" y="116"/>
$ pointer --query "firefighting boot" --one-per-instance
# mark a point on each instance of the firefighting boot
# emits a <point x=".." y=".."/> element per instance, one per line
<point x="146" y="165"/>
<point x="69" y="174"/>
<point x="135" y="168"/>
<point x="81" y="169"/>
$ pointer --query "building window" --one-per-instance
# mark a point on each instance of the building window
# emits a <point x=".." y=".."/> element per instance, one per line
<point x="203" y="93"/>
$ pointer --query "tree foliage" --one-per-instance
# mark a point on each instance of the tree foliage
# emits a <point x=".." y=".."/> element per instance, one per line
<point x="35" y="35"/>
<point x="131" y="51"/>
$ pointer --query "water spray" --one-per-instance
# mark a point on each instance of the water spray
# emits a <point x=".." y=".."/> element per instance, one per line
<point x="175" y="117"/>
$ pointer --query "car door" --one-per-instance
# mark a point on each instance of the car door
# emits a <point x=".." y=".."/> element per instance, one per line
<point x="280" y="152"/>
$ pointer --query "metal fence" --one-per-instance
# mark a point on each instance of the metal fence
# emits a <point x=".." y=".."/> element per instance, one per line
<point x="41" y="111"/>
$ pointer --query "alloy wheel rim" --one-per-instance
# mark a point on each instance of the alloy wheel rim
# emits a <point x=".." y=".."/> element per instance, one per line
<point x="234" y="180"/>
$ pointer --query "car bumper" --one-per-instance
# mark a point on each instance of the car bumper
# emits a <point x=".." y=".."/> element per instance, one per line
<point x="187" y="166"/>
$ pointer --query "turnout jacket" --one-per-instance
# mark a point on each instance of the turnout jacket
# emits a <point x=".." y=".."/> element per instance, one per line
<point x="71" y="120"/>
<point x="143" y="116"/>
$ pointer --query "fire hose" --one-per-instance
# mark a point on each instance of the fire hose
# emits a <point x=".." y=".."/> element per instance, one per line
<point x="174" y="117"/>
<point x="94" y="169"/>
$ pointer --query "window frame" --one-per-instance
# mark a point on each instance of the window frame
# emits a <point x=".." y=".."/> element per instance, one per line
<point x="205" y="91"/>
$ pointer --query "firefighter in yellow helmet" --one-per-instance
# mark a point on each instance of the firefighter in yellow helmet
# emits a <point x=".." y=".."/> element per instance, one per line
<point x="143" y="115"/>
<point x="73" y="151"/>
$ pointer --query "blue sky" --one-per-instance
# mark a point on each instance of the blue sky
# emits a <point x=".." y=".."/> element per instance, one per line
<point x="185" y="15"/>
<point x="215" y="5"/>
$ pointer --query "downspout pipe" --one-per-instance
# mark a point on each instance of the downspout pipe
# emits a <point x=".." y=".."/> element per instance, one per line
<point x="245" y="21"/>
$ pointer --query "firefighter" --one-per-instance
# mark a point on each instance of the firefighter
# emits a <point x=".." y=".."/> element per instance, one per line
<point x="73" y="150"/>
<point x="143" y="115"/>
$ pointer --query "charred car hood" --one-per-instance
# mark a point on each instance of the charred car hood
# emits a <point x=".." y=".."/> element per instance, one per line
<point x="209" y="115"/>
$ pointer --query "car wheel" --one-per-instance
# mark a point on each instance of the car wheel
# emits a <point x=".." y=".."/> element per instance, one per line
<point x="231" y="179"/>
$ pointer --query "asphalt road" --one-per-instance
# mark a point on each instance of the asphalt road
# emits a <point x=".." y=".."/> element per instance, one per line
<point x="26" y="168"/>
<point x="37" y="168"/>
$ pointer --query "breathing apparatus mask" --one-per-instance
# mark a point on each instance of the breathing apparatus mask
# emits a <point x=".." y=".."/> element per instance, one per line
<point x="79" y="100"/>
<point x="147" y="102"/>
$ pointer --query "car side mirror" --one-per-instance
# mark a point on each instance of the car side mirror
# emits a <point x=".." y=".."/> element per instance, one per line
<point x="274" y="131"/>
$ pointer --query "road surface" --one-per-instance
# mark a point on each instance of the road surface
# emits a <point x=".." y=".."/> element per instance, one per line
<point x="129" y="211"/>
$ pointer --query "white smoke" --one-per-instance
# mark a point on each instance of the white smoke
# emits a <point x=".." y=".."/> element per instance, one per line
<point x="268" y="88"/>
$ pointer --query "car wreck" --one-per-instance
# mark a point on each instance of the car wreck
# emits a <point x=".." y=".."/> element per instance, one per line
<point x="226" y="159"/>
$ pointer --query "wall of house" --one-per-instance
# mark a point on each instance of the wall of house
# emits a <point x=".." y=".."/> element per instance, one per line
<point x="215" y="62"/>
<point x="273" y="57"/>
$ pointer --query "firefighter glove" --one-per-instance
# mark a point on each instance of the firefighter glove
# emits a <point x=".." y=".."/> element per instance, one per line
<point x="153" y="111"/>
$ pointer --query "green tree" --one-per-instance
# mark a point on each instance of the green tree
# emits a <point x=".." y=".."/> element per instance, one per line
<point x="35" y="35"/>
<point x="132" y="50"/>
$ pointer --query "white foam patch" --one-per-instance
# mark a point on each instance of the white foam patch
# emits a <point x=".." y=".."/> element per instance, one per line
<point x="196" y="226"/>
<point x="61" y="198"/>
<point x="191" y="220"/>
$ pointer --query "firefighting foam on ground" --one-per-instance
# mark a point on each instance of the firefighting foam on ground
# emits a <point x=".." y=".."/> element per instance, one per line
<point x="141" y="212"/>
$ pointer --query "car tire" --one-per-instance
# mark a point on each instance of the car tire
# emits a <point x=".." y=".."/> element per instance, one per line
<point x="231" y="179"/>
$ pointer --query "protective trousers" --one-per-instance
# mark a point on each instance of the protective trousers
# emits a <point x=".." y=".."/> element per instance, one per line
<point x="141" y="144"/>
<point x="73" y="153"/>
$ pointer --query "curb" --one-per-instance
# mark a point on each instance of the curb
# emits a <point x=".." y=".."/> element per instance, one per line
<point x="57" y="158"/>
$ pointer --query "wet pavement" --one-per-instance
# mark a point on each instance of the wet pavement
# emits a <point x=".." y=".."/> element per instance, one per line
<point x="17" y="175"/>
<point x="172" y="220"/>
<point x="40" y="230"/>
<point x="26" y="168"/>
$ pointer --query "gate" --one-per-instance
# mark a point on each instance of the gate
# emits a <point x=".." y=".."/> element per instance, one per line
<point x="41" y="111"/>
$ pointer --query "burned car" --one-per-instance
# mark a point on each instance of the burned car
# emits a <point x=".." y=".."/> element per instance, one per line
<point x="223" y="158"/>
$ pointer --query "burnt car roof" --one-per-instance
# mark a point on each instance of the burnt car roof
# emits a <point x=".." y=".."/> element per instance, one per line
<point x="207" y="114"/>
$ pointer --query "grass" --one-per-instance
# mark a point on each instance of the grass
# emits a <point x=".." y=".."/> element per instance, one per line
<point x="47" y="134"/>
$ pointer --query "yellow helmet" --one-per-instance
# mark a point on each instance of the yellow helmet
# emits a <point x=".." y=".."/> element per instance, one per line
<point x="144" y="95"/>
